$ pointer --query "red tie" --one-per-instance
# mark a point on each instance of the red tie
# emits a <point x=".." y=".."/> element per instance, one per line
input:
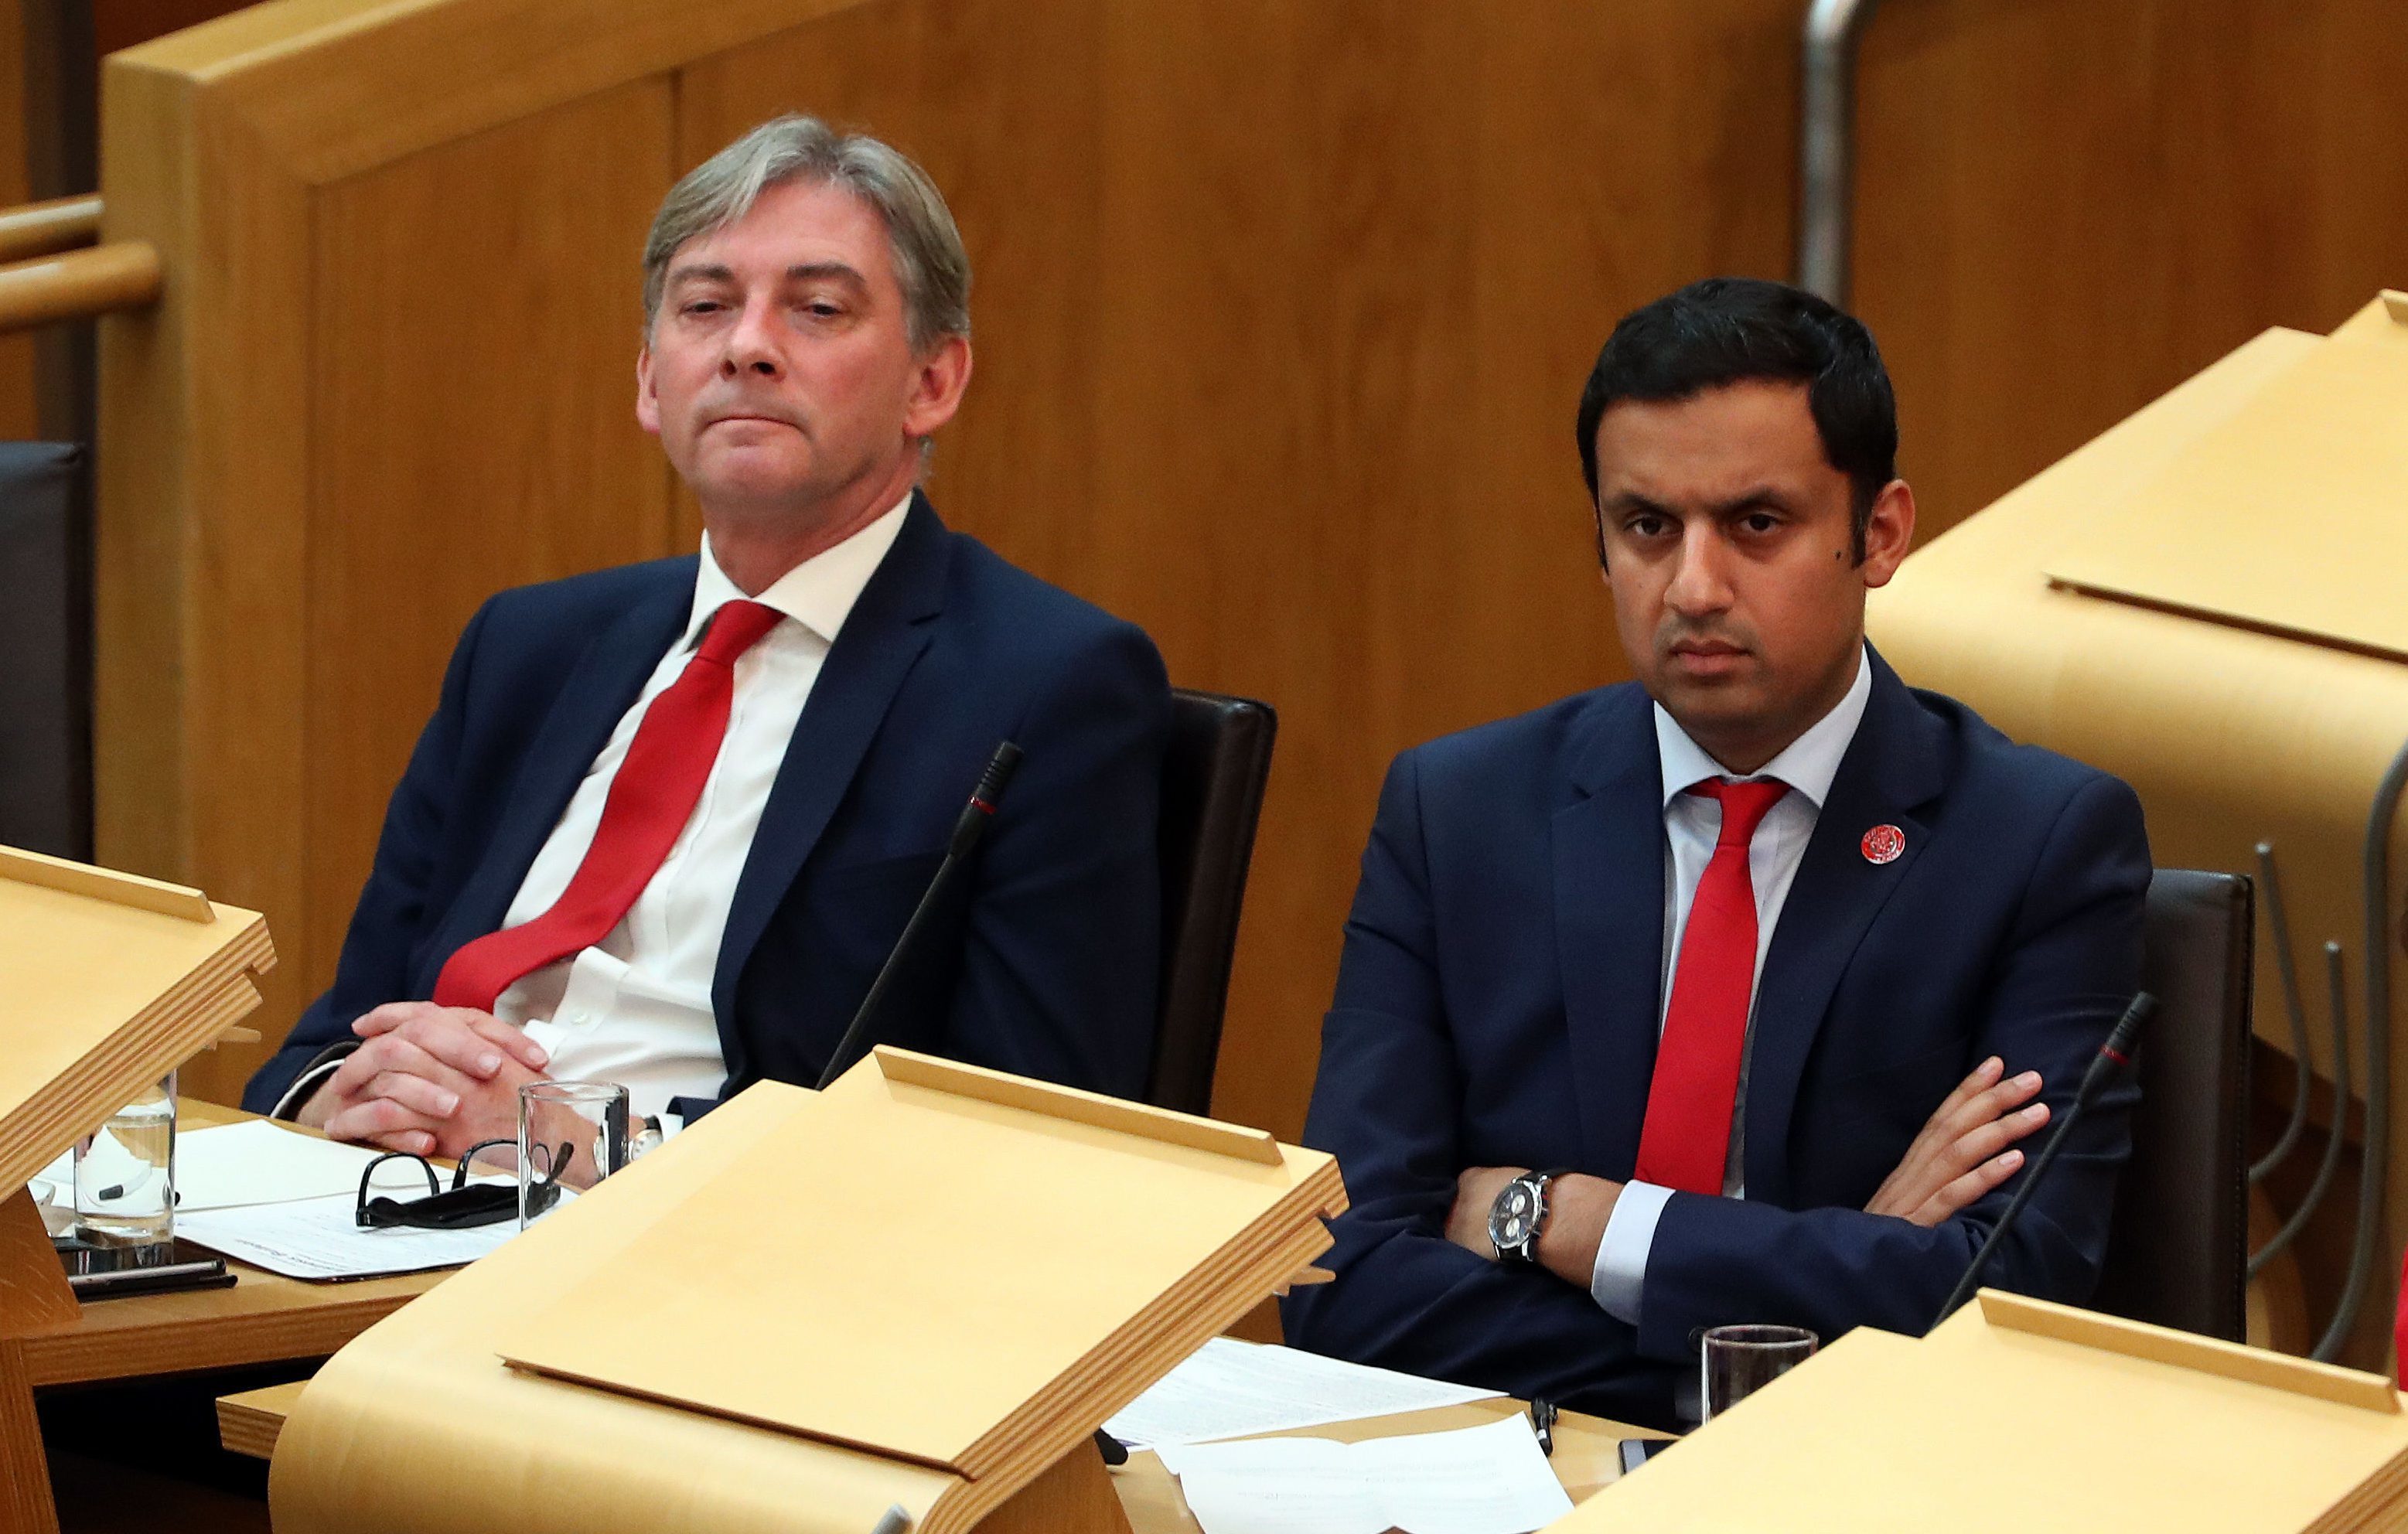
<point x="649" y="801"/>
<point x="1686" y="1136"/>
<point x="2400" y="1327"/>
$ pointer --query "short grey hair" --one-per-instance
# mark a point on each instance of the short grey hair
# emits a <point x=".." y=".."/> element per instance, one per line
<point x="930" y="265"/>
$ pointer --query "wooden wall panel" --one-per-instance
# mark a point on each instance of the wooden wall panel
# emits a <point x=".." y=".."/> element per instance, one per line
<point x="2067" y="206"/>
<point x="199" y="754"/>
<point x="20" y="416"/>
<point x="123" y="23"/>
<point x="473" y="335"/>
<point x="1282" y="313"/>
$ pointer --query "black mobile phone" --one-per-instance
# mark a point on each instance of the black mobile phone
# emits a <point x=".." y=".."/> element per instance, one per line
<point x="1639" y="1451"/>
<point x="104" y="1272"/>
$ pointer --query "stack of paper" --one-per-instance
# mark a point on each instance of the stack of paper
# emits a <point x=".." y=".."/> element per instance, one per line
<point x="230" y="1165"/>
<point x="282" y="1200"/>
<point x="1233" y="1389"/>
<point x="318" y="1239"/>
<point x="1490" y="1480"/>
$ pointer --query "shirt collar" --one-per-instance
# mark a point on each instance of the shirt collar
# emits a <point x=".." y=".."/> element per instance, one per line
<point x="1807" y="764"/>
<point x="818" y="594"/>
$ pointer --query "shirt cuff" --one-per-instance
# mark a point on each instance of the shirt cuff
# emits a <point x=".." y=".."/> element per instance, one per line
<point x="1621" y="1272"/>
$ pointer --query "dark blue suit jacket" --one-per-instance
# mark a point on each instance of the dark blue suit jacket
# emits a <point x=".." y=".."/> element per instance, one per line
<point x="1498" y="1006"/>
<point x="1047" y="963"/>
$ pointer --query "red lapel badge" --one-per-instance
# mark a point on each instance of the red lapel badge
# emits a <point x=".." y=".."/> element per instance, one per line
<point x="1883" y="844"/>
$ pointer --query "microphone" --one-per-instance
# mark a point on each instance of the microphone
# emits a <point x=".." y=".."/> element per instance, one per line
<point x="966" y="831"/>
<point x="2112" y="1056"/>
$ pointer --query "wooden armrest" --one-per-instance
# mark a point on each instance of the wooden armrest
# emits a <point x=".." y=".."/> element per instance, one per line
<point x="78" y="284"/>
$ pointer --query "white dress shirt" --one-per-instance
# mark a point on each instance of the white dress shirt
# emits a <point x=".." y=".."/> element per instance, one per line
<point x="635" y="1008"/>
<point x="1691" y="825"/>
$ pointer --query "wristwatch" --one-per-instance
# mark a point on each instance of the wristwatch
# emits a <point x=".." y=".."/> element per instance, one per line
<point x="1519" y="1214"/>
<point x="648" y="1137"/>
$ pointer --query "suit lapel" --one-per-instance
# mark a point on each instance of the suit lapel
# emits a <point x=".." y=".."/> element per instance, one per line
<point x="1609" y="869"/>
<point x="605" y="684"/>
<point x="1893" y="767"/>
<point x="881" y="639"/>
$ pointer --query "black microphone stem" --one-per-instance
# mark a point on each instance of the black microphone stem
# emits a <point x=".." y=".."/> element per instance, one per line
<point x="2112" y="1057"/>
<point x="967" y="830"/>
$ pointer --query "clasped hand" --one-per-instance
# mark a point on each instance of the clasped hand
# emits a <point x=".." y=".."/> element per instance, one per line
<point x="1964" y="1149"/>
<point x="429" y="1080"/>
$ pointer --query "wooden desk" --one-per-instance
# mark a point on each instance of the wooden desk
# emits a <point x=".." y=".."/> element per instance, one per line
<point x="1585" y="1458"/>
<point x="264" y="1318"/>
<point x="249" y="1423"/>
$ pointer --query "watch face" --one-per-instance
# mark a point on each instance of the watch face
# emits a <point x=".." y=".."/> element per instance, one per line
<point x="1509" y="1222"/>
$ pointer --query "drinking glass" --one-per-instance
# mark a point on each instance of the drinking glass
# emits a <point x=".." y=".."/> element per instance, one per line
<point x="125" y="1173"/>
<point x="571" y="1136"/>
<point x="1738" y="1361"/>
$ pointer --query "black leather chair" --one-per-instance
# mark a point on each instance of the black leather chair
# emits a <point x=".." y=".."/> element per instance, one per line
<point x="1212" y="777"/>
<point x="45" y="650"/>
<point x="2178" y="1251"/>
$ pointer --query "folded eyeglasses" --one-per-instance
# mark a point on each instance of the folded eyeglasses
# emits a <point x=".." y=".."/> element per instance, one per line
<point x="465" y="1204"/>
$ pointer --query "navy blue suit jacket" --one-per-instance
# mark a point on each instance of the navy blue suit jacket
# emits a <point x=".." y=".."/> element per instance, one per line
<point x="1046" y="963"/>
<point x="1498" y="1006"/>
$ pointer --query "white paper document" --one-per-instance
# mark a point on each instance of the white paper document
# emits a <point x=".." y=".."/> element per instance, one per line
<point x="228" y="1166"/>
<point x="1228" y="1389"/>
<point x="256" y="1162"/>
<point x="317" y="1239"/>
<point x="1488" y="1479"/>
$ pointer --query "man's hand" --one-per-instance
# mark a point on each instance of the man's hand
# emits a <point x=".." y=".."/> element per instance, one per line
<point x="1963" y="1151"/>
<point x="1578" y="1207"/>
<point x="429" y="1080"/>
<point x="1475" y="1192"/>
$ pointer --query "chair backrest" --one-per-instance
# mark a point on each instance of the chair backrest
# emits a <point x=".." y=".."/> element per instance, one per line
<point x="2177" y="1254"/>
<point x="45" y="650"/>
<point x="1212" y="777"/>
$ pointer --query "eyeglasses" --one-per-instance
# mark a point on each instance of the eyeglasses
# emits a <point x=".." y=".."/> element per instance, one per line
<point x="466" y="1205"/>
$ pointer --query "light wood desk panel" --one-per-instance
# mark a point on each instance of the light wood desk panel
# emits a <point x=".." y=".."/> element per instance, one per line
<point x="1585" y="1459"/>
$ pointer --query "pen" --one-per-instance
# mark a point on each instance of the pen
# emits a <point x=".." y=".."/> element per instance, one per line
<point x="1543" y="1422"/>
<point x="117" y="1190"/>
<point x="895" y="1521"/>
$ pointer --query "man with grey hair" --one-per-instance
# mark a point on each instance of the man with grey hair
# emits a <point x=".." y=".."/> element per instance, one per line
<point x="668" y="820"/>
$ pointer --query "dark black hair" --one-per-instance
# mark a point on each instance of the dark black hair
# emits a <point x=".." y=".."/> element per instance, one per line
<point x="1728" y="330"/>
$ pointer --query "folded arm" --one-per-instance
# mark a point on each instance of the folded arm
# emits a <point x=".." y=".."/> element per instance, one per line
<point x="1964" y="1151"/>
<point x="2069" y="967"/>
<point x="1389" y="1103"/>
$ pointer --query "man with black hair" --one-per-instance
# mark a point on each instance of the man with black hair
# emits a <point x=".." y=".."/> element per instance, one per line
<point x="1763" y="960"/>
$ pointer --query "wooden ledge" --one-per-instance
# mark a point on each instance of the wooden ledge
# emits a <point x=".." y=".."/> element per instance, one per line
<point x="249" y="1423"/>
<point x="77" y="285"/>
